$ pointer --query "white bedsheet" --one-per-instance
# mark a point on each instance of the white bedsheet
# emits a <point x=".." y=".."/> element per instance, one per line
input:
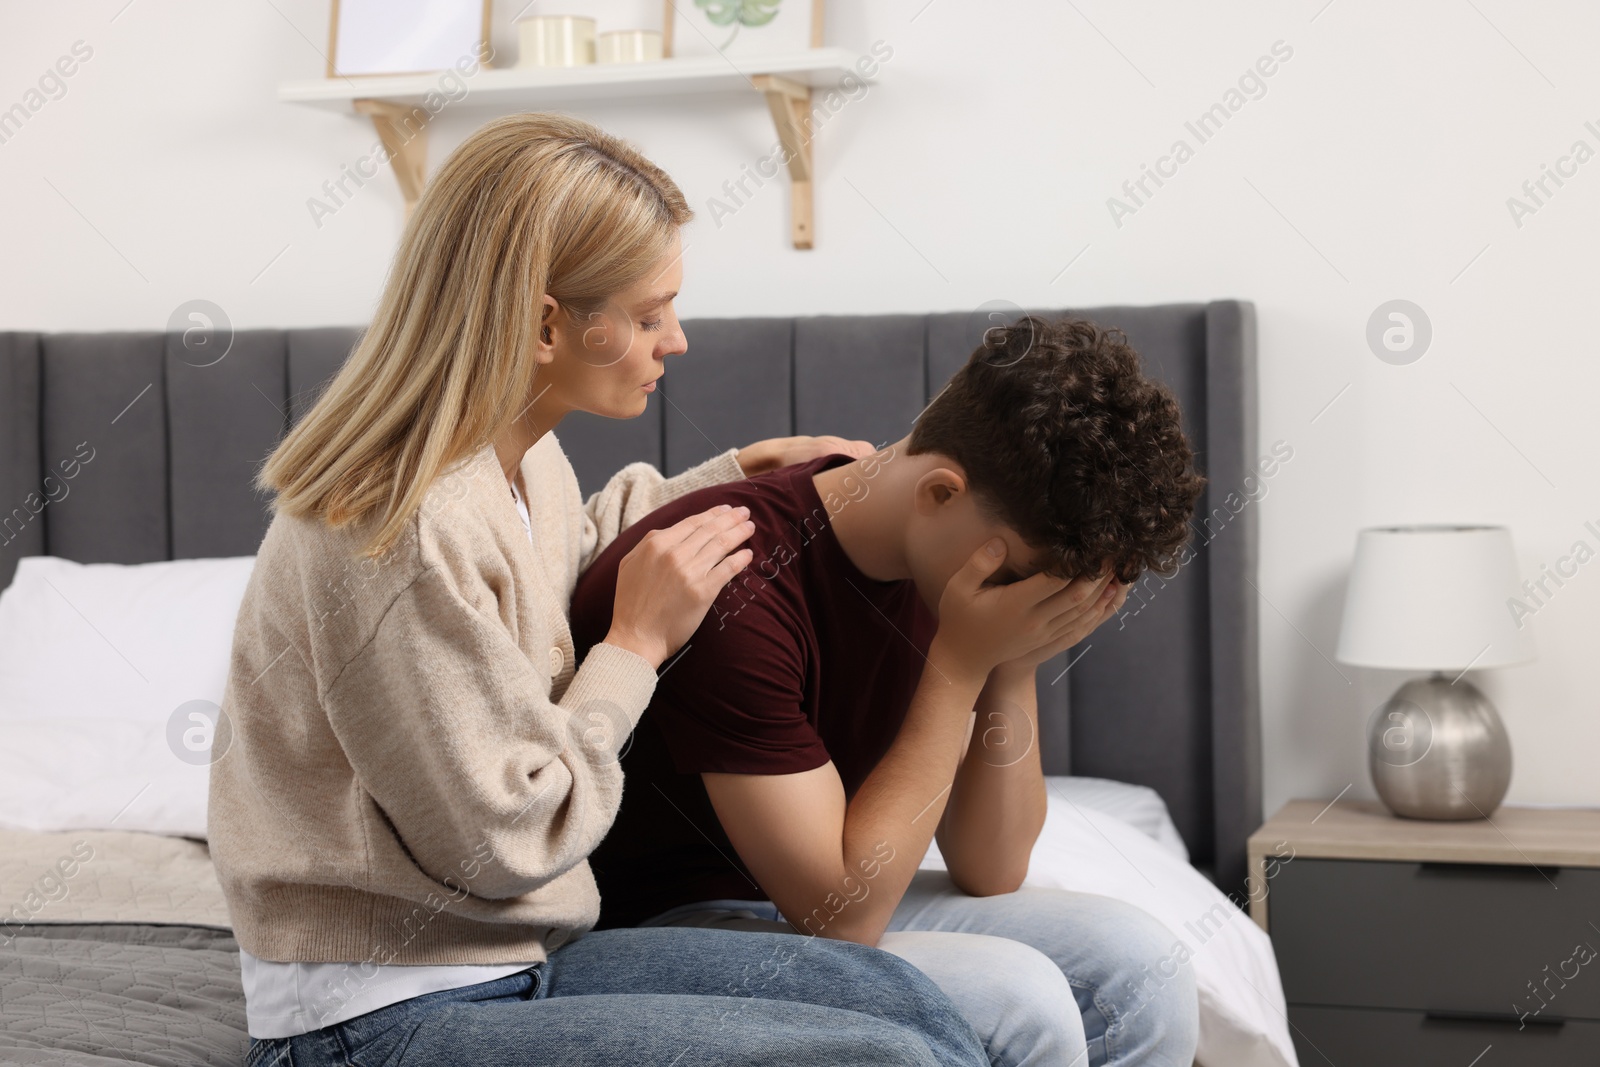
<point x="1137" y="805"/>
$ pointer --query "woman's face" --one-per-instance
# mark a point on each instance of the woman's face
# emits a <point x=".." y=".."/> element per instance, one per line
<point x="608" y="364"/>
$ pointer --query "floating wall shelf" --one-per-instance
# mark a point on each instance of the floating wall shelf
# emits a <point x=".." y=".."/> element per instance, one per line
<point x="394" y="102"/>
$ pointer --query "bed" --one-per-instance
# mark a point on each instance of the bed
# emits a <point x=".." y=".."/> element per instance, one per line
<point x="1166" y="701"/>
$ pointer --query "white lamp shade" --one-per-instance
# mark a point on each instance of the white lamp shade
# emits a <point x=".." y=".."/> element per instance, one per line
<point x="1433" y="598"/>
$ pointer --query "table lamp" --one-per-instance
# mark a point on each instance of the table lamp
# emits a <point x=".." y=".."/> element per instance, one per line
<point x="1435" y="598"/>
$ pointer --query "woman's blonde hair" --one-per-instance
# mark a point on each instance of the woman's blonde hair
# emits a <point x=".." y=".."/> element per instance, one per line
<point x="528" y="205"/>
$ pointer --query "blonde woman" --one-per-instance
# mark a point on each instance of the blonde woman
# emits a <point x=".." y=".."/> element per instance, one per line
<point x="415" y="769"/>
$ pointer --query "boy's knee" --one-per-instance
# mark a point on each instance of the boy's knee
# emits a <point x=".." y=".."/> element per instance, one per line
<point x="1013" y="995"/>
<point x="1154" y="990"/>
<point x="1141" y="972"/>
<point x="1027" y="977"/>
<point x="1027" y="1013"/>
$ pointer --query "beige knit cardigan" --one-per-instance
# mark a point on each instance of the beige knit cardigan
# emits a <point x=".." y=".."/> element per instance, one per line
<point x="411" y="771"/>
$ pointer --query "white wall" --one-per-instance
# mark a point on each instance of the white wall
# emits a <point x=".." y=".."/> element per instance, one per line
<point x="1376" y="166"/>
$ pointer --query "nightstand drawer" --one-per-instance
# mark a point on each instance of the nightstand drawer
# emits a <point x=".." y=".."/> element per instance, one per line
<point x="1348" y="1036"/>
<point x="1444" y="937"/>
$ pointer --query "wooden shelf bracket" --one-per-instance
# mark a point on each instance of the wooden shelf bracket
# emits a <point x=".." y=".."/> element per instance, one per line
<point x="403" y="129"/>
<point x="790" y="104"/>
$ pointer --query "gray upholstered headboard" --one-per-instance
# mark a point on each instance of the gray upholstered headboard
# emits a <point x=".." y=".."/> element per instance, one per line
<point x="1166" y="696"/>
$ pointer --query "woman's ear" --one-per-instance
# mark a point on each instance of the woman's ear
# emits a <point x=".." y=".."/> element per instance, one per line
<point x="544" y="346"/>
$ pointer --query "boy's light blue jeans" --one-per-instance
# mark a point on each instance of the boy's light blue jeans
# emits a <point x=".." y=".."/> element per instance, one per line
<point x="1046" y="977"/>
<point x="660" y="997"/>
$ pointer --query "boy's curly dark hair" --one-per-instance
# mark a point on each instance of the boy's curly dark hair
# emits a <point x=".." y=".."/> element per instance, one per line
<point x="1064" y="440"/>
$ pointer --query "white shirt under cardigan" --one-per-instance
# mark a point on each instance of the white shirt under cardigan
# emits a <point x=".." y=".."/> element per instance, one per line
<point x="287" y="999"/>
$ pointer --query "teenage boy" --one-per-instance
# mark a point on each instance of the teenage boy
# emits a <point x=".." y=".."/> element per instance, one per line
<point x="817" y="731"/>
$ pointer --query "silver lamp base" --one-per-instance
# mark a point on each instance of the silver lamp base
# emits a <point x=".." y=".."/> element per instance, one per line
<point x="1438" y="750"/>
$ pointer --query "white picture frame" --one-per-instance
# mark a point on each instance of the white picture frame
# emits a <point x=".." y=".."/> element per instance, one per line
<point x="371" y="37"/>
<point x="699" y="28"/>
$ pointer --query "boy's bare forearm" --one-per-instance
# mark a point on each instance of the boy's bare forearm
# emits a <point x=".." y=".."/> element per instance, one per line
<point x="997" y="803"/>
<point x="902" y="800"/>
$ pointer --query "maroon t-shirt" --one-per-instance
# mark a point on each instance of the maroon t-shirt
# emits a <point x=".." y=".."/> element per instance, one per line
<point x="802" y="659"/>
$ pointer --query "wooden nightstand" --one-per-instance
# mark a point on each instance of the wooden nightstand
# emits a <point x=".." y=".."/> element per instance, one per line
<point x="1411" y="943"/>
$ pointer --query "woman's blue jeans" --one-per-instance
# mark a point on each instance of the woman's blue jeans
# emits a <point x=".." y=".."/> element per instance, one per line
<point x="662" y="997"/>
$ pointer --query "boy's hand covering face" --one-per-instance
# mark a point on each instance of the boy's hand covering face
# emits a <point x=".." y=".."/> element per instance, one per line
<point x="1112" y="594"/>
<point x="983" y="625"/>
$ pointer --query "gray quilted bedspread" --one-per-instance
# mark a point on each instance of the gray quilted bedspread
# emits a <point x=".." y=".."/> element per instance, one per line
<point x="98" y="995"/>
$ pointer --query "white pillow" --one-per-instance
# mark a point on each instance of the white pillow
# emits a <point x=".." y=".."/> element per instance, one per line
<point x="98" y="774"/>
<point x="1242" y="1010"/>
<point x="110" y="676"/>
